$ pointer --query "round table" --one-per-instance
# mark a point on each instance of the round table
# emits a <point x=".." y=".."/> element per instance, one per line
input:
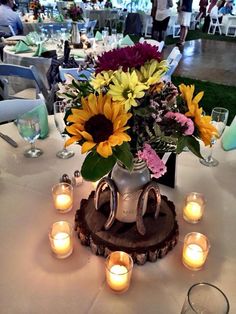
<point x="34" y="281"/>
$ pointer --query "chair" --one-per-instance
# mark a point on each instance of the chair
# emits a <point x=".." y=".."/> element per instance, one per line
<point x="82" y="75"/>
<point x="153" y="42"/>
<point x="6" y="31"/>
<point x="195" y="23"/>
<point x="10" y="109"/>
<point x="148" y="27"/>
<point x="214" y="24"/>
<point x="90" y="26"/>
<point x="29" y="73"/>
<point x="175" y="27"/>
<point x="231" y="27"/>
<point x="173" y="61"/>
<point x="113" y="19"/>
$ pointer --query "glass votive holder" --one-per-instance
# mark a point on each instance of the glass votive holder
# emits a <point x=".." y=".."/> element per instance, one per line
<point x="61" y="240"/>
<point x="119" y="267"/>
<point x="193" y="207"/>
<point x="195" y="250"/>
<point x="63" y="197"/>
<point x="205" y="298"/>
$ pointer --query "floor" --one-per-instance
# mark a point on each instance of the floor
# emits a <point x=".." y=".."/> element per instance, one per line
<point x="208" y="60"/>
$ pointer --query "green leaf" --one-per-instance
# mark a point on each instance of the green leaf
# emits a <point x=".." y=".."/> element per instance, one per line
<point x="182" y="142"/>
<point x="123" y="154"/>
<point x="193" y="146"/>
<point x="95" y="166"/>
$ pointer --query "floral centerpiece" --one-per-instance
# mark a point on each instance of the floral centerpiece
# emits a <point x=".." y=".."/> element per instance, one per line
<point x="127" y="111"/>
<point x="74" y="12"/>
<point x="36" y="7"/>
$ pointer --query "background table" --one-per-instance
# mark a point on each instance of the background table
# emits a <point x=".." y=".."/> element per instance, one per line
<point x="33" y="281"/>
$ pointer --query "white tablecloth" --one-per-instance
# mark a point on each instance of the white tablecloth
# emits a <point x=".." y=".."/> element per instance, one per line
<point x="34" y="282"/>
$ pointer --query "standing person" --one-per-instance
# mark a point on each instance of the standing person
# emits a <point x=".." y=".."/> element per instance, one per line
<point x="202" y="8"/>
<point x="184" y="17"/>
<point x="9" y="17"/>
<point x="161" y="16"/>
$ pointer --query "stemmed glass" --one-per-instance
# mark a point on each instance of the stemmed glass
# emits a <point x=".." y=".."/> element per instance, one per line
<point x="219" y="117"/>
<point x="29" y="128"/>
<point x="60" y="109"/>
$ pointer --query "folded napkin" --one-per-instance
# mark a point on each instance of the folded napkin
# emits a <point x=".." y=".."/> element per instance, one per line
<point x="98" y="36"/>
<point x="40" y="20"/>
<point x="228" y="141"/>
<point x="79" y="54"/>
<point x="59" y="18"/>
<point x="40" y="49"/>
<point x="21" y="47"/>
<point x="126" y="41"/>
<point x="41" y="112"/>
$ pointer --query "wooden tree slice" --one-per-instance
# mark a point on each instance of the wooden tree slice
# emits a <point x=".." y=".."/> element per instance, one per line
<point x="161" y="233"/>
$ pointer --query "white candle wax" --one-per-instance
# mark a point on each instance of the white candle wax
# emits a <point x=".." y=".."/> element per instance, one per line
<point x="193" y="211"/>
<point x="62" y="243"/>
<point x="193" y="256"/>
<point x="63" y="202"/>
<point x="118" y="278"/>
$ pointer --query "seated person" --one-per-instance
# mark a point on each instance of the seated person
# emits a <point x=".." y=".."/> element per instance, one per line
<point x="227" y="8"/>
<point x="9" y="17"/>
<point x="108" y="4"/>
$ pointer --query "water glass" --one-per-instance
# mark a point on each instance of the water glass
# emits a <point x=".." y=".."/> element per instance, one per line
<point x="60" y="109"/>
<point x="205" y="298"/>
<point x="219" y="117"/>
<point x="29" y="128"/>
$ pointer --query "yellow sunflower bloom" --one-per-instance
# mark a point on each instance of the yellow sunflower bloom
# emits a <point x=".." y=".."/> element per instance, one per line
<point x="203" y="123"/>
<point x="152" y="71"/>
<point x="101" y="123"/>
<point x="126" y="88"/>
<point x="101" y="79"/>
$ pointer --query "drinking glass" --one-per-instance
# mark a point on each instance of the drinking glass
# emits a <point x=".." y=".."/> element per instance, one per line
<point x="205" y="298"/>
<point x="60" y="109"/>
<point x="219" y="117"/>
<point x="29" y="128"/>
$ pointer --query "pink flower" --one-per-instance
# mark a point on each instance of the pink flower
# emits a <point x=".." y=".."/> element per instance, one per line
<point x="182" y="120"/>
<point x="153" y="161"/>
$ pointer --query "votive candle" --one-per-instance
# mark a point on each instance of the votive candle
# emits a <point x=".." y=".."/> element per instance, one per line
<point x="63" y="197"/>
<point x="194" y="207"/>
<point x="195" y="250"/>
<point x="119" y="267"/>
<point x="61" y="241"/>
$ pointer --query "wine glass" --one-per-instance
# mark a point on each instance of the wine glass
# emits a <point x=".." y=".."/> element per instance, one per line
<point x="219" y="117"/>
<point x="60" y="108"/>
<point x="29" y="128"/>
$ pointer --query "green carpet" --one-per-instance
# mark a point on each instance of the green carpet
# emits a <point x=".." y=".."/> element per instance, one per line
<point x="215" y="95"/>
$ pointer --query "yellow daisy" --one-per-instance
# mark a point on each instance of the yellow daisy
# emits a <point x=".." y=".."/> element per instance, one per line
<point x="152" y="71"/>
<point x="101" y="124"/>
<point x="126" y="88"/>
<point x="101" y="79"/>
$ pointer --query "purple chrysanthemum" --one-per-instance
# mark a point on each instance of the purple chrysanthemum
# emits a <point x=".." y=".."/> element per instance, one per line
<point x="127" y="57"/>
<point x="153" y="161"/>
<point x="183" y="121"/>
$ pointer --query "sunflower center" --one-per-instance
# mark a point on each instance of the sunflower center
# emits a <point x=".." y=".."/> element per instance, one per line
<point x="99" y="127"/>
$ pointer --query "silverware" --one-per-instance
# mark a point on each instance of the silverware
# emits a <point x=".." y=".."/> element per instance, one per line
<point x="8" y="140"/>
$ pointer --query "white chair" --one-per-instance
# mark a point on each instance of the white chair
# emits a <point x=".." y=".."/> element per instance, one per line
<point x="10" y="109"/>
<point x="7" y="31"/>
<point x="154" y="43"/>
<point x="214" y="24"/>
<point x="196" y="21"/>
<point x="80" y="75"/>
<point x="231" y="27"/>
<point x="173" y="61"/>
<point x="30" y="73"/>
<point x="175" y="27"/>
<point x="148" y="26"/>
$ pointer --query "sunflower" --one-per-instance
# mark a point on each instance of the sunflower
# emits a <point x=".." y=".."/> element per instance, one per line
<point x="203" y="123"/>
<point x="101" y="124"/>
<point x="101" y="79"/>
<point x="152" y="71"/>
<point x="126" y="87"/>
